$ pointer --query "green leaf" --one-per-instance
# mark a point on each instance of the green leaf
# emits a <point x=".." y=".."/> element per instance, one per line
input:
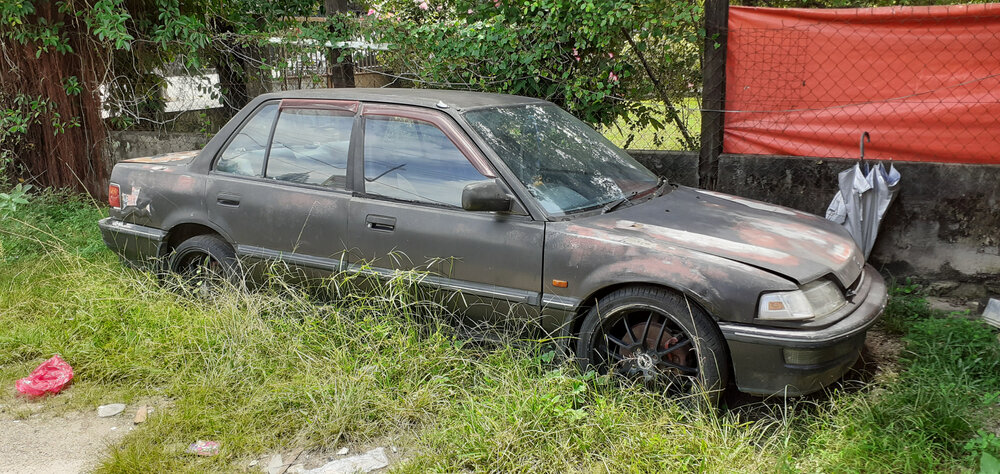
<point x="989" y="464"/>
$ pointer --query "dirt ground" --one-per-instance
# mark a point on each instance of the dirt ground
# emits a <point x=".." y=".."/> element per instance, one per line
<point x="66" y="443"/>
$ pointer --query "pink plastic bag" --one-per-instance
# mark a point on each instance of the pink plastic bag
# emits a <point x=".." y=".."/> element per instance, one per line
<point x="50" y="377"/>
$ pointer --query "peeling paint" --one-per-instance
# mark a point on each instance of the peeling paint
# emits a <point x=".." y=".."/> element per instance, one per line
<point x="760" y="206"/>
<point x="165" y="158"/>
<point x="691" y="239"/>
<point x="131" y="199"/>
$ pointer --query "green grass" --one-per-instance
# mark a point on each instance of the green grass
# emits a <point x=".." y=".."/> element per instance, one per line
<point x="274" y="369"/>
<point x="627" y="134"/>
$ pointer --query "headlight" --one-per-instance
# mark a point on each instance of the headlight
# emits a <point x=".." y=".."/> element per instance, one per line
<point x="813" y="300"/>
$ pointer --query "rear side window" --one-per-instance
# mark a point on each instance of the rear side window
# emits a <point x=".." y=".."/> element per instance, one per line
<point x="245" y="153"/>
<point x="412" y="160"/>
<point x="310" y="147"/>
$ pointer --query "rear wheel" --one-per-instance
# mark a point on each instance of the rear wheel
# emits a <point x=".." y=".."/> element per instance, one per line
<point x="204" y="262"/>
<point x="657" y="338"/>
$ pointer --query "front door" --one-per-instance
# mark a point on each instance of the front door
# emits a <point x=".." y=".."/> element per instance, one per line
<point x="407" y="215"/>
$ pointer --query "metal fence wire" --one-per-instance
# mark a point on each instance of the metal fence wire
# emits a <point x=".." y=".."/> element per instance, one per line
<point x="923" y="81"/>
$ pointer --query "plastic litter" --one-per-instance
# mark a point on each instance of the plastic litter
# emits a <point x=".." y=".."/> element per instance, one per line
<point x="992" y="312"/>
<point x="50" y="377"/>
<point x="204" y="448"/>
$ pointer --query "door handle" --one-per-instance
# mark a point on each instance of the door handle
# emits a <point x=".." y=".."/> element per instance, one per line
<point x="231" y="200"/>
<point x="381" y="223"/>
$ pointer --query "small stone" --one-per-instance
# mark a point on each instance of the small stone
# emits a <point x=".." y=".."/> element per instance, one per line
<point x="252" y="463"/>
<point x="296" y="469"/>
<point x="276" y="464"/>
<point x="367" y="462"/>
<point x="941" y="287"/>
<point x="393" y="449"/>
<point x="105" y="411"/>
<point x="140" y="415"/>
<point x="343" y="451"/>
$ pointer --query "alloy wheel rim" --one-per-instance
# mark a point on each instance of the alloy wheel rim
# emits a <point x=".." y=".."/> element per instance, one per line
<point x="646" y="345"/>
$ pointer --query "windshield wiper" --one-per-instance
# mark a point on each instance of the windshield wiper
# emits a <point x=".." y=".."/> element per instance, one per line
<point x="661" y="187"/>
<point x="617" y="202"/>
<point x="657" y="190"/>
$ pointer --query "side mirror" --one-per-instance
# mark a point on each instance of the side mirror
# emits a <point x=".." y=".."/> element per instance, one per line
<point x="486" y="196"/>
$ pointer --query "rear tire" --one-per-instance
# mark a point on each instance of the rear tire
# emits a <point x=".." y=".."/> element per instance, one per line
<point x="658" y="338"/>
<point x="204" y="262"/>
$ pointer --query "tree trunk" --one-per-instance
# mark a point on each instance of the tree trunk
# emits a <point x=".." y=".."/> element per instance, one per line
<point x="229" y="63"/>
<point x="341" y="65"/>
<point x="73" y="157"/>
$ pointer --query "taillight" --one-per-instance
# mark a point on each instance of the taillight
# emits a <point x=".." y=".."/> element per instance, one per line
<point x="114" y="196"/>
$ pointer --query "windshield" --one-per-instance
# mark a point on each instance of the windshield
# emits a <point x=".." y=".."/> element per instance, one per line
<point x="564" y="163"/>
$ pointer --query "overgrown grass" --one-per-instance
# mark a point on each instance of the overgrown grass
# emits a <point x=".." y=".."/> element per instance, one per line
<point x="272" y="369"/>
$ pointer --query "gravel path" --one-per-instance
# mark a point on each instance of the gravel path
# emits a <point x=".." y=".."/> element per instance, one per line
<point x="68" y="443"/>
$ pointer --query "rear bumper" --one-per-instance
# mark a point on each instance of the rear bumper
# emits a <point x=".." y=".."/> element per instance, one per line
<point x="135" y="243"/>
<point x="778" y="361"/>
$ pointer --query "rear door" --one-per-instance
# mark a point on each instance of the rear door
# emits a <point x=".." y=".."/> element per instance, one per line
<point x="407" y="215"/>
<point x="279" y="187"/>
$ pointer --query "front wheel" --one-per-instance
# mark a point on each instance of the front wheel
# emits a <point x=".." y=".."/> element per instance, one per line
<point x="655" y="337"/>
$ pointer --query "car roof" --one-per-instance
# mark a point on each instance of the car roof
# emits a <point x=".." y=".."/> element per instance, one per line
<point x="418" y="97"/>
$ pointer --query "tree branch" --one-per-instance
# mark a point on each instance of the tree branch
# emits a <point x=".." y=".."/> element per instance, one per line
<point x="671" y="110"/>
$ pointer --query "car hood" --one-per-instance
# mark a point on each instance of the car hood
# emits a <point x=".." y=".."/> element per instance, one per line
<point x="794" y="244"/>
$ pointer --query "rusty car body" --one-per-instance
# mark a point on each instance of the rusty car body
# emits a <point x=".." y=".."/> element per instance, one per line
<point x="535" y="212"/>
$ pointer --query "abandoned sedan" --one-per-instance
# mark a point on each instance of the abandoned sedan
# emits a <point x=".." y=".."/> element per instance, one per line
<point x="522" y="209"/>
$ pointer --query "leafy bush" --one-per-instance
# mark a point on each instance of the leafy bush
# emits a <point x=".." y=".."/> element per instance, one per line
<point x="13" y="198"/>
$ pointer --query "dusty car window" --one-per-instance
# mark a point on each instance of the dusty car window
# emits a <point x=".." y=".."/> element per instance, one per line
<point x="245" y="153"/>
<point x="566" y="165"/>
<point x="413" y="160"/>
<point x="310" y="146"/>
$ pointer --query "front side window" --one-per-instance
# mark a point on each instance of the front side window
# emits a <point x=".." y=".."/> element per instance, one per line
<point x="566" y="165"/>
<point x="412" y="160"/>
<point x="310" y="146"/>
<point x="244" y="155"/>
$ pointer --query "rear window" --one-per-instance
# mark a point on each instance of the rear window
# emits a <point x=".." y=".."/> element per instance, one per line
<point x="244" y="155"/>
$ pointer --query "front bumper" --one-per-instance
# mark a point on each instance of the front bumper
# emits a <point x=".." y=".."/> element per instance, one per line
<point x="136" y="244"/>
<point x="790" y="362"/>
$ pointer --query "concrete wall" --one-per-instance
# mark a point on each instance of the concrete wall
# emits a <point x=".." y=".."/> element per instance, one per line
<point x="678" y="166"/>
<point x="135" y="144"/>
<point x="944" y="225"/>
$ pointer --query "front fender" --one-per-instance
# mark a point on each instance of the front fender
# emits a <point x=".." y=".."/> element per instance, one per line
<point x="591" y="260"/>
